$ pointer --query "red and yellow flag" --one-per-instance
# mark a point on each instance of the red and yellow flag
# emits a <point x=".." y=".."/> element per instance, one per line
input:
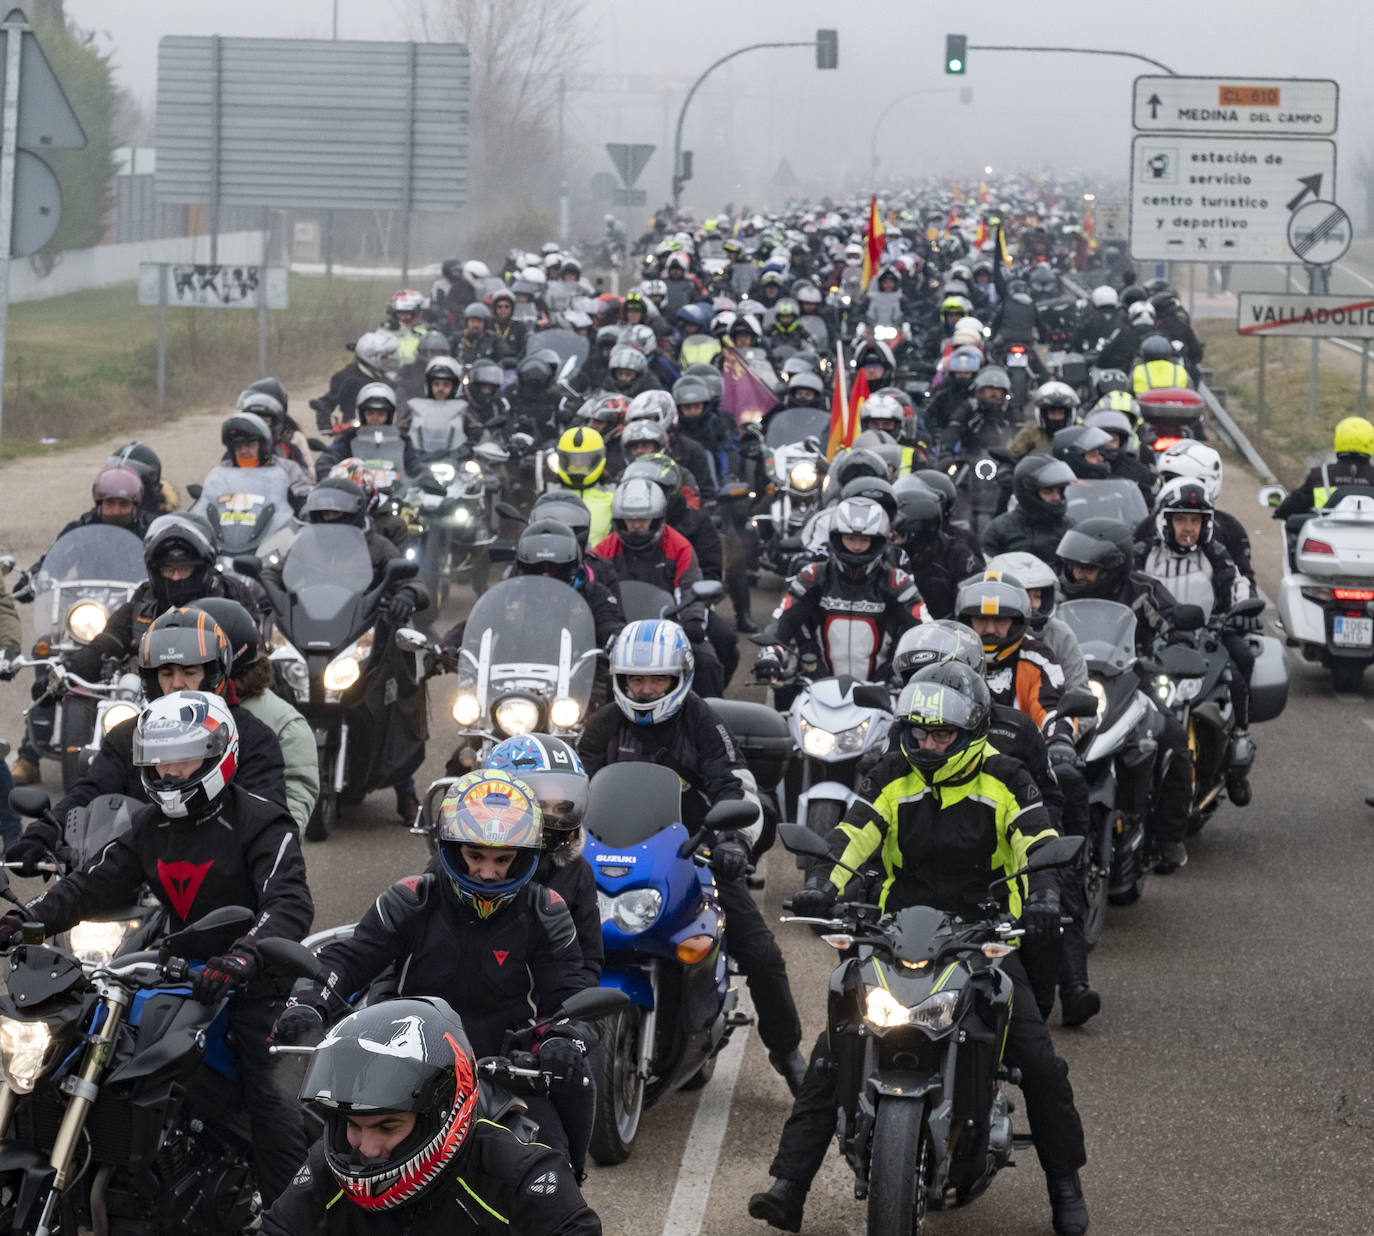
<point x="983" y="193"/>
<point x="841" y="424"/>
<point x="875" y="241"/>
<point x="982" y="236"/>
<point x="1090" y="226"/>
<point x="952" y="220"/>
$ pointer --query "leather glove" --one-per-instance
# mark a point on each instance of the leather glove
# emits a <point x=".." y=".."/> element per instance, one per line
<point x="298" y="1021"/>
<point x="563" y="1058"/>
<point x="1040" y="916"/>
<point x="11" y="929"/>
<point x="767" y="668"/>
<point x="1254" y="623"/>
<point x="1063" y="753"/>
<point x="23" y="588"/>
<point x="814" y="900"/>
<point x="400" y="607"/>
<point x="7" y="668"/>
<point x="30" y="850"/>
<point x="222" y="975"/>
<point x="730" y="857"/>
<point x="695" y="631"/>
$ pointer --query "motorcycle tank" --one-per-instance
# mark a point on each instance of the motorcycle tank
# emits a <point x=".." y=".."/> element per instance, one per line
<point x="328" y="572"/>
<point x="95" y="562"/>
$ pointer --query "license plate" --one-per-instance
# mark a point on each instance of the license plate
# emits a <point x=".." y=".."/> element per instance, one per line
<point x="1017" y="360"/>
<point x="1349" y="632"/>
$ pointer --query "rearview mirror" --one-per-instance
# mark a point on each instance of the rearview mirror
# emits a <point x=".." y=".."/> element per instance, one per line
<point x="593" y="1002"/>
<point x="398" y="570"/>
<point x="509" y="511"/>
<point x="195" y="489"/>
<point x="501" y="551"/>
<point x="1078" y="704"/>
<point x="798" y="839"/>
<point x="732" y="813"/>
<point x="214" y="930"/>
<point x="1272" y="495"/>
<point x="1056" y="852"/>
<point x="767" y="637"/>
<point x="1189" y="617"/>
<point x="1251" y="607"/>
<point x="708" y="590"/>
<point x="315" y="444"/>
<point x="408" y="639"/>
<point x="290" y="957"/>
<point x="248" y="565"/>
<point x="30" y="801"/>
<point x="870" y="695"/>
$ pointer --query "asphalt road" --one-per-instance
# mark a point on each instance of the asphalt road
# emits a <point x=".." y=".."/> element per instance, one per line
<point x="1225" y="1088"/>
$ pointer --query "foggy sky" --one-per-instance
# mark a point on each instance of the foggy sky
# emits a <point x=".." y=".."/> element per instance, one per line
<point x="1029" y="111"/>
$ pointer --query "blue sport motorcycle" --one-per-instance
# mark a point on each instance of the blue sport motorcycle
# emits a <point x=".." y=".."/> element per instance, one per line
<point x="663" y="928"/>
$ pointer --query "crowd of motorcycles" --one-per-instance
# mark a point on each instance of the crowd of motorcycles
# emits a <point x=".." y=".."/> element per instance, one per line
<point x="500" y="399"/>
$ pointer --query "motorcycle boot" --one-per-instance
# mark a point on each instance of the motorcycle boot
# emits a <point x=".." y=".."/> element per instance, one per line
<point x="1242" y="759"/>
<point x="782" y="1205"/>
<point x="407" y="804"/>
<point x="26" y="772"/>
<point x="1067" y="1204"/>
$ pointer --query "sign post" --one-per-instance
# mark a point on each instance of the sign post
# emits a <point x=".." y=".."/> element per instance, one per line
<point x="629" y="159"/>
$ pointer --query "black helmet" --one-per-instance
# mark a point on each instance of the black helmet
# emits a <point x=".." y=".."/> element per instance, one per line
<point x="566" y="508"/>
<point x="534" y="374"/>
<point x="547" y="547"/>
<point x="247" y="427"/>
<point x="994" y="595"/>
<point x="1133" y="294"/>
<point x="859" y="517"/>
<point x="178" y="540"/>
<point x="872" y="487"/>
<point x="715" y="381"/>
<point x="945" y="696"/>
<point x="1156" y="348"/>
<point x="1055" y="404"/>
<point x="408" y="1055"/>
<point x="185" y="637"/>
<point x="271" y="387"/>
<point x="690" y="389"/>
<point x="238" y="627"/>
<point x="1034" y="473"/>
<point x="485" y="372"/>
<point x="920" y="515"/>
<point x="143" y="460"/>
<point x="1111" y="380"/>
<point x="1102" y="543"/>
<point x="943" y="485"/>
<point x="336" y="500"/>
<point x="932" y="643"/>
<point x="854" y="463"/>
<point x="1073" y="445"/>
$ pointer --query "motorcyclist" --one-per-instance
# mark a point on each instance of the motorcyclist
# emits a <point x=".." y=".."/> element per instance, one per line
<point x="549" y="548"/>
<point x="698" y="436"/>
<point x="627" y="372"/>
<point x="1353" y="443"/>
<point x="984" y="420"/>
<point x="955" y="388"/>
<point x="1200" y="462"/>
<point x="376" y="405"/>
<point x="1122" y="453"/>
<point x="480" y="933"/>
<point x="404" y="322"/>
<point x="485" y="409"/>
<point x="1098" y="320"/>
<point x="478" y="341"/>
<point x="1158" y="368"/>
<point x="443" y="380"/>
<point x="580" y="464"/>
<point x="374" y="356"/>
<point x="658" y="717"/>
<point x="1038" y="483"/>
<point x="942" y="810"/>
<point x="204" y="842"/>
<point x="1018" y="320"/>
<point x="249" y="445"/>
<point x="1056" y="405"/>
<point x="267" y="398"/>
<point x="159" y="497"/>
<point x="1095" y="561"/>
<point x="1172" y="321"/>
<point x="510" y="333"/>
<point x="410" y="377"/>
<point x="1039" y="581"/>
<point x="937" y="560"/>
<point x="1123" y="345"/>
<point x="405" y="1146"/>
<point x="534" y="397"/>
<point x="1084" y="448"/>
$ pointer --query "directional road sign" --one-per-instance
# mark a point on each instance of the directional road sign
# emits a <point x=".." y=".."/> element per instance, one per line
<point x="1263" y="106"/>
<point x="1218" y="199"/>
<point x="1283" y="314"/>
<point x="629" y="160"/>
<point x="1319" y="232"/>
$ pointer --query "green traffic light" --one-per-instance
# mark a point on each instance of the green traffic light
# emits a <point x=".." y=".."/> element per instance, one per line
<point x="956" y="66"/>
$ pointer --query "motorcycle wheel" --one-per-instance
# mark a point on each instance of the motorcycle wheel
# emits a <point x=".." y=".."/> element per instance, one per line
<point x="78" y="724"/>
<point x="619" y="1088"/>
<point x="821" y="818"/>
<point x="433" y="548"/>
<point x="1346" y="676"/>
<point x="1094" y="899"/>
<point x="323" y="817"/>
<point x="899" y="1170"/>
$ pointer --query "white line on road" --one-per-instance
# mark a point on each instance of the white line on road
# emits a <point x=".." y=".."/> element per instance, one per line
<point x="1369" y="721"/>
<point x="687" y="1208"/>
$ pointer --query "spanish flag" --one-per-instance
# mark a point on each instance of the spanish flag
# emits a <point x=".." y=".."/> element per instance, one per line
<point x="982" y="237"/>
<point x="1090" y="226"/>
<point x="875" y="242"/>
<point x="953" y="219"/>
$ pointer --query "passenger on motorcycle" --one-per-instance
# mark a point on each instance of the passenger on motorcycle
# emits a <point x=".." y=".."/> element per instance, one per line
<point x="936" y="559"/>
<point x="700" y="437"/>
<point x="658" y="717"/>
<point x="267" y="398"/>
<point x="374" y="357"/>
<point x="1098" y="320"/>
<point x="1056" y="405"/>
<point x="1039" y="484"/>
<point x="580" y="464"/>
<point x="407" y="1144"/>
<point x="1083" y="448"/>
<point x="1354" y="444"/>
<point x="943" y="811"/>
<point x="204" y="842"/>
<point x="159" y="497"/>
<point x="1039" y="581"/>
<point x="1158" y="367"/>
<point x="1018" y="320"/>
<point x="485" y="409"/>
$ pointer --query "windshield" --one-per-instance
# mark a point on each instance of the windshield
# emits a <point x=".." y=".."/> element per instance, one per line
<point x="529" y="634"/>
<point x="1105" y="631"/>
<point x="381" y="449"/>
<point x="91" y="828"/>
<point x="326" y="573"/>
<point x="655" y="791"/>
<point x="436" y="425"/>
<point x="796" y="424"/>
<point x="640" y="600"/>
<point x="1115" y="499"/>
<point x="565" y="342"/>
<point x="96" y="562"/>
<point x="245" y="505"/>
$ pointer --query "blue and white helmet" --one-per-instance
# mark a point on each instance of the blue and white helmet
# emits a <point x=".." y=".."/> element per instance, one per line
<point x="552" y="769"/>
<point x="651" y="646"/>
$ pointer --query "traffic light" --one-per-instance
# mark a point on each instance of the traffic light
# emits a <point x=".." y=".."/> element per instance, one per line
<point x="956" y="53"/>
<point x="827" y="49"/>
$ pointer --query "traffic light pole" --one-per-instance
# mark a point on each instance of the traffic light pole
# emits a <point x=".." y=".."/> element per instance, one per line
<point x="1076" y="51"/>
<point x="696" y="85"/>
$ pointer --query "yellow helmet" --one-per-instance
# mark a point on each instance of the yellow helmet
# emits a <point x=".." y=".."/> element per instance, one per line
<point x="581" y="457"/>
<point x="1354" y="436"/>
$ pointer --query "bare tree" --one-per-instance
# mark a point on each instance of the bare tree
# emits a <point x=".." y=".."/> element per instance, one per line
<point x="133" y="124"/>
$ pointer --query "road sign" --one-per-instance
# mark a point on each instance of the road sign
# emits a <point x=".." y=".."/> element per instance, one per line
<point x="192" y="285"/>
<point x="1263" y="106"/>
<point x="1219" y="199"/>
<point x="1112" y="220"/>
<point x="630" y="197"/>
<point x="1319" y="232"/>
<point x="46" y="119"/>
<point x="37" y="204"/>
<point x="629" y="159"/>
<point x="1270" y="314"/>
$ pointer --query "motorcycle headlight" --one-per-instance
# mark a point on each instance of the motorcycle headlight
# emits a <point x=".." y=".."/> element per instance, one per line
<point x="883" y="1010"/>
<point x="347" y="667"/>
<point x="822" y="743"/>
<point x="23" y="1049"/>
<point x="1100" y="692"/>
<point x="97" y="943"/>
<point x="115" y="713"/>
<point x="632" y="911"/>
<point x="935" y="1012"/>
<point x="565" y="713"/>
<point x="551" y="462"/>
<point x="466" y="709"/>
<point x="884" y="333"/>
<point x="514" y="717"/>
<point x="460" y="515"/>
<point x="443" y="472"/>
<point x="86" y="620"/>
<point x="294" y="671"/>
<point x="803" y="475"/>
<point x="473" y="468"/>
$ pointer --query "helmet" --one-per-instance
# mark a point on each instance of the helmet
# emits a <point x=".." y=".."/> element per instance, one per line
<point x="1102" y="543"/>
<point x="690" y="389"/>
<point x="1111" y="380"/>
<point x="376" y="395"/>
<point x="534" y="373"/>
<point x="714" y="379"/>
<point x="1104" y="297"/>
<point x="955" y="303"/>
<point x="336" y="499"/>
<point x="1183" y="496"/>
<point x="1133" y="295"/>
<point x="1354" y="436"/>
<point x="265" y="405"/>
<point x="920" y="515"/>
<point x="627" y="356"/>
<point x="1156" y="348"/>
<point x="565" y="508"/>
<point x="405" y="1055"/>
<point x="945" y="696"/>
<point x="143" y="460"/>
<point x="581" y="457"/>
<point x="746" y="322"/>
<point x="855" y="462"/>
<point x="645" y="430"/>
<point x="995" y="596"/>
<point x="786" y="308"/>
<point x="807" y="382"/>
<point x="859" y="517"/>
<point x="548" y="547"/>
<point x="1196" y="460"/>
<point x="443" y="367"/>
<point x="651" y="646"/>
<point x="117" y="481"/>
<point x="571" y="265"/>
<point x="477" y="310"/>
<point x="178" y="540"/>
<point x="355" y="470"/>
<point x="552" y="769"/>
<point x="1043" y="279"/>
<point x="964" y="362"/>
<point x="881" y="408"/>
<point x="1140" y="315"/>
<point x="433" y="343"/>
<point x="376" y="350"/>
<point x="995" y="376"/>
<point x="1035" y="472"/>
<point x="483" y="372"/>
<point x="657" y="405"/>
<point x="1073" y="444"/>
<point x="475" y="271"/>
<point x="660" y="468"/>
<point x="696" y="315"/>
<point x="639" y="498"/>
<point x="238" y="627"/>
<point x="1032" y="574"/>
<point x="244" y="427"/>
<point x="1165" y="303"/>
<point x="942" y="484"/>
<point x="269" y="387"/>
<point x="808" y="295"/>
<point x="1112" y="422"/>
<point x="873" y="487"/>
<point x="641" y="337"/>
<point x="604" y="413"/>
<point x="882" y="444"/>
<point x="930" y="643"/>
<point x="185" y="637"/>
<point x="489" y="808"/>
<point x="184" y="726"/>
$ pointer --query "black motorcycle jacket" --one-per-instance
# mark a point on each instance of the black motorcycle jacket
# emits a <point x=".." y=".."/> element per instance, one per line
<point x="1022" y="531"/>
<point x="692" y="455"/>
<point x="1321" y="481"/>
<point x="972" y="428"/>
<point x="1017" y="320"/>
<point x="945" y="400"/>
<point x="1094" y="326"/>
<point x="496" y="972"/>
<point x="243" y="853"/>
<point x="1153" y="606"/>
<point x="696" y="526"/>
<point x="939" y="567"/>
<point x="497" y="1183"/>
<point x="481" y="346"/>
<point x="337" y="405"/>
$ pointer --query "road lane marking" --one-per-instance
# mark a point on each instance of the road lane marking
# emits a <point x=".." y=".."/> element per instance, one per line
<point x="687" y="1208"/>
<point x="1369" y="721"/>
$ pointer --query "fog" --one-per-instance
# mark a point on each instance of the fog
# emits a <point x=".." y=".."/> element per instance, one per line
<point x="1030" y="111"/>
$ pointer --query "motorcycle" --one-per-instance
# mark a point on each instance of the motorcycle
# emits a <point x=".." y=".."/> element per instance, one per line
<point x="115" y="1062"/>
<point x="1016" y="361"/>
<point x="794" y="469"/>
<point x="337" y="661"/>
<point x="918" y="1011"/>
<point x="663" y="928"/>
<point x="982" y="477"/>
<point x="1326" y="597"/>
<point x="1172" y="414"/>
<point x="244" y="508"/>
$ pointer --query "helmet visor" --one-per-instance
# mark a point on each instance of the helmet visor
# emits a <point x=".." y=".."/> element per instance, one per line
<point x="491" y="813"/>
<point x="933" y="705"/>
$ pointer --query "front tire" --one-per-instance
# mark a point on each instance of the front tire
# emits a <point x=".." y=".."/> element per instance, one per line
<point x="324" y="816"/>
<point x="899" y="1171"/>
<point x="821" y="817"/>
<point x="78" y="724"/>
<point x="619" y="1088"/>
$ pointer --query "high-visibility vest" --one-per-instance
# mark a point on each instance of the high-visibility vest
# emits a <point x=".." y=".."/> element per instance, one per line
<point x="1159" y="375"/>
